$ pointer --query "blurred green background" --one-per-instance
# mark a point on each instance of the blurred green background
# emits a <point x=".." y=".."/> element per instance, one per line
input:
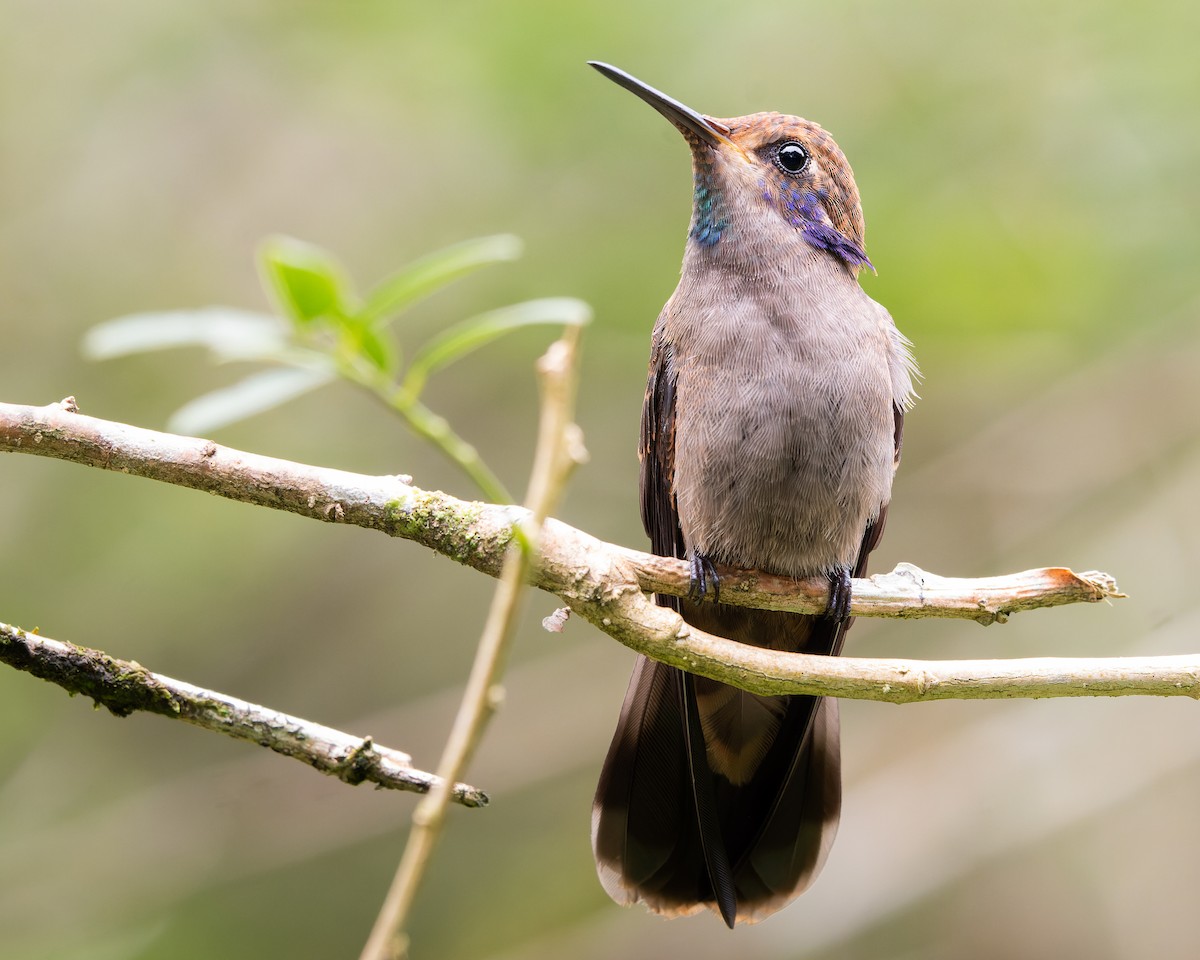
<point x="1028" y="173"/>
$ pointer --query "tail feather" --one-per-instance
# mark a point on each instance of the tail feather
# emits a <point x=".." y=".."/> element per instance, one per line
<point x="682" y="820"/>
<point x="713" y="842"/>
<point x="796" y="838"/>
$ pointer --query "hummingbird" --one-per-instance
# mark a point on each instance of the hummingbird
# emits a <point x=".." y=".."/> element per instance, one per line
<point x="770" y="433"/>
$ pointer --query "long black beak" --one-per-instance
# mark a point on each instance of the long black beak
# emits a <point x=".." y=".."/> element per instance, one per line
<point x="707" y="129"/>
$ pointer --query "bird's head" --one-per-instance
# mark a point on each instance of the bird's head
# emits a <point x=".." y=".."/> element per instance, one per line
<point x="784" y="166"/>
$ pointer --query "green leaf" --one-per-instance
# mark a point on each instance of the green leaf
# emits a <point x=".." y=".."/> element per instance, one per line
<point x="255" y="394"/>
<point x="229" y="333"/>
<point x="359" y="345"/>
<point x="306" y="282"/>
<point x="432" y="272"/>
<point x="376" y="348"/>
<point x="471" y="334"/>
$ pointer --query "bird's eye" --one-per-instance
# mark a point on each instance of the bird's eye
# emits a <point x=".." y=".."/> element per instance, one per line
<point x="791" y="157"/>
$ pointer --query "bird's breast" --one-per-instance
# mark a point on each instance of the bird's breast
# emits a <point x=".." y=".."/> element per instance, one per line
<point x="783" y="430"/>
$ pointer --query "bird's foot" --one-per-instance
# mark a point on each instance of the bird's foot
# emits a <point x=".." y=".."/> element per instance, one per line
<point x="703" y="579"/>
<point x="839" y="595"/>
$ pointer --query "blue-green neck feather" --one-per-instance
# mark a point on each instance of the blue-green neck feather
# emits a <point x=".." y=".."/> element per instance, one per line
<point x="709" y="220"/>
<point x="799" y="204"/>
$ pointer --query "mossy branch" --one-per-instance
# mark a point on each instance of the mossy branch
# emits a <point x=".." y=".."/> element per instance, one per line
<point x="124" y="687"/>
<point x="609" y="585"/>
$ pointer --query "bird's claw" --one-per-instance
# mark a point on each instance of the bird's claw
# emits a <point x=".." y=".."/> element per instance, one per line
<point x="839" y="595"/>
<point x="703" y="579"/>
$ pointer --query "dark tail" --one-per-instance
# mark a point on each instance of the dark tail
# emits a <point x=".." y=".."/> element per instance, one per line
<point x="714" y="798"/>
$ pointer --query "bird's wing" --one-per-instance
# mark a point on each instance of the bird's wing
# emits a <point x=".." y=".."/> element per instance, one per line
<point x="656" y="451"/>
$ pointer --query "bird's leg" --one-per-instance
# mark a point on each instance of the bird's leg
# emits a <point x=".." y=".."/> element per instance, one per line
<point x="839" y="595"/>
<point x="703" y="579"/>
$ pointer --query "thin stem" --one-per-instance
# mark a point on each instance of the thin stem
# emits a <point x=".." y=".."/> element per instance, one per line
<point x="433" y="427"/>
<point x="483" y="695"/>
<point x="438" y="431"/>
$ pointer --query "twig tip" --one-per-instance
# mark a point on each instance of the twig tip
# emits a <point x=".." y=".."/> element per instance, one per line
<point x="1104" y="584"/>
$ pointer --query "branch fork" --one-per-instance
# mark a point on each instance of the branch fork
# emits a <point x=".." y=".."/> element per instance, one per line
<point x="608" y="585"/>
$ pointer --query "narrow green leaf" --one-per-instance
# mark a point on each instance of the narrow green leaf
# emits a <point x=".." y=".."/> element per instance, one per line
<point x="432" y="272"/>
<point x="376" y="348"/>
<point x="255" y="394"/>
<point x="306" y="282"/>
<point x="471" y="334"/>
<point x="227" y="332"/>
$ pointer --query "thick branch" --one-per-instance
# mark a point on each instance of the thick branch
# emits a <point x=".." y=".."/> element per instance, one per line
<point x="124" y="687"/>
<point x="607" y="584"/>
<point x="476" y="534"/>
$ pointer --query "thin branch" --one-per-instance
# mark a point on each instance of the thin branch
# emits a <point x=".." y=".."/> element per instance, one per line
<point x="659" y="633"/>
<point x="907" y="592"/>
<point x="607" y="584"/>
<point x="482" y="695"/>
<point x="124" y="687"/>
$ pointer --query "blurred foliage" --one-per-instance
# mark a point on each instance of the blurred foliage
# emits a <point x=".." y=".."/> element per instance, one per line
<point x="1028" y="177"/>
<point x="327" y="331"/>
